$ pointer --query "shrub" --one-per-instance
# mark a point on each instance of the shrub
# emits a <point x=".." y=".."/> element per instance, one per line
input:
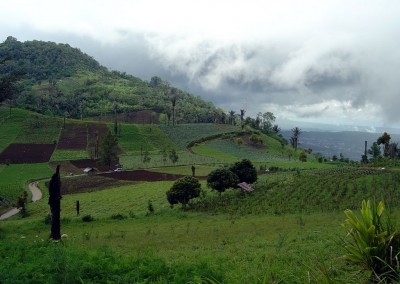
<point x="245" y="171"/>
<point x="303" y="156"/>
<point x="374" y="244"/>
<point x="118" y="216"/>
<point x="150" y="208"/>
<point x="221" y="179"/>
<point x="183" y="190"/>
<point x="87" y="218"/>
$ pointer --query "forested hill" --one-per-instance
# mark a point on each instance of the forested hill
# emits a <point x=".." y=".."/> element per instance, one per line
<point x="58" y="79"/>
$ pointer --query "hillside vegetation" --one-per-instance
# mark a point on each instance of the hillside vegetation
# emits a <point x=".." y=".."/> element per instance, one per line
<point x="58" y="79"/>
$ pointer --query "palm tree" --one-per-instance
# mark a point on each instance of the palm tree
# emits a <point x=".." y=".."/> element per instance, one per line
<point x="294" y="139"/>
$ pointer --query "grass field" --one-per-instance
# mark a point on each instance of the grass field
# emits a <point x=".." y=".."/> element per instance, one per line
<point x="14" y="178"/>
<point x="157" y="160"/>
<point x="183" y="134"/>
<point x="135" y="138"/>
<point x="10" y="127"/>
<point x="231" y="247"/>
<point x="64" y="155"/>
<point x="39" y="129"/>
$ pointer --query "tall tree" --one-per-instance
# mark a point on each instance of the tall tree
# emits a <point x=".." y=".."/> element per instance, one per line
<point x="385" y="140"/>
<point x="115" y="106"/>
<point x="55" y="204"/>
<point x="108" y="150"/>
<point x="242" y="112"/>
<point x="294" y="139"/>
<point x="268" y="120"/>
<point x="374" y="151"/>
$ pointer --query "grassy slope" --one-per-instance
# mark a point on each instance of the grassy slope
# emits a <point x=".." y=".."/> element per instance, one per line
<point x="135" y="138"/>
<point x="183" y="134"/>
<point x="11" y="127"/>
<point x="14" y="178"/>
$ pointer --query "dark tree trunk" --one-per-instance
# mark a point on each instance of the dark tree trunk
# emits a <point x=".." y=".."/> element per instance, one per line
<point x="55" y="204"/>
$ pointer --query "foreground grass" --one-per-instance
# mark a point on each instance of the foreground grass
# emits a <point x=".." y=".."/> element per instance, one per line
<point x="287" y="231"/>
<point x="248" y="249"/>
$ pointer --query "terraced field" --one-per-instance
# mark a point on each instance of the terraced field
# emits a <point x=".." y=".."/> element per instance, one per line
<point x="183" y="134"/>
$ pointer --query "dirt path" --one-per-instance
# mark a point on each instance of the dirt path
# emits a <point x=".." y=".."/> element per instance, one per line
<point x="10" y="213"/>
<point x="36" y="195"/>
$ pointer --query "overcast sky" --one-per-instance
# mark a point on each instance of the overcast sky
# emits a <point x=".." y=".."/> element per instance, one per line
<point x="331" y="61"/>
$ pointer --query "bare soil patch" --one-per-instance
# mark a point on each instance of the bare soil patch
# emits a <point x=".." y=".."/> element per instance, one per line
<point x="27" y="153"/>
<point x="73" y="137"/>
<point x="88" y="163"/>
<point x="142" y="175"/>
<point x="66" y="167"/>
<point x="71" y="185"/>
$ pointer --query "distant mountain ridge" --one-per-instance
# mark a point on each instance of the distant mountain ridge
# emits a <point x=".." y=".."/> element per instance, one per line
<point x="59" y="79"/>
<point x="349" y="143"/>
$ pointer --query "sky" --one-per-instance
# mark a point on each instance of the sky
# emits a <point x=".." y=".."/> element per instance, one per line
<point x="331" y="62"/>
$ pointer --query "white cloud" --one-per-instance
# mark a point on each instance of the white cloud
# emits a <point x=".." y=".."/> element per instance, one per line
<point x="323" y="60"/>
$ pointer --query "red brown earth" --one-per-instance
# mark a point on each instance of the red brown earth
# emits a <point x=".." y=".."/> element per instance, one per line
<point x="27" y="153"/>
<point x="73" y="137"/>
<point x="141" y="175"/>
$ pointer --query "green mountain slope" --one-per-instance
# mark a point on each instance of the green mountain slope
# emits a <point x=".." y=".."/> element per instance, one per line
<point x="58" y="79"/>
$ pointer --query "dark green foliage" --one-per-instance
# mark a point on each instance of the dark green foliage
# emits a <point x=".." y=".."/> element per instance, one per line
<point x="173" y="156"/>
<point x="146" y="157"/>
<point x="183" y="190"/>
<point x="108" y="150"/>
<point x="245" y="171"/>
<point x="150" y="207"/>
<point x="59" y="79"/>
<point x="303" y="156"/>
<point x="87" y="218"/>
<point x="222" y="179"/>
<point x="294" y="139"/>
<point x="385" y="140"/>
<point x="21" y="202"/>
<point x="118" y="216"/>
<point x="256" y="139"/>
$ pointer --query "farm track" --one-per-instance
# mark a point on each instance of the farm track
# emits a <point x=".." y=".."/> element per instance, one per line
<point x="36" y="195"/>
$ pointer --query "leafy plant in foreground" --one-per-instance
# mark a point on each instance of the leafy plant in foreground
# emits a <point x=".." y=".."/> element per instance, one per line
<point x="374" y="244"/>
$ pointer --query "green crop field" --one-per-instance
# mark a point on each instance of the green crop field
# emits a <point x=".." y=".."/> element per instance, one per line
<point x="39" y="129"/>
<point x="11" y="126"/>
<point x="157" y="160"/>
<point x="14" y="178"/>
<point x="135" y="138"/>
<point x="183" y="134"/>
<point x="64" y="155"/>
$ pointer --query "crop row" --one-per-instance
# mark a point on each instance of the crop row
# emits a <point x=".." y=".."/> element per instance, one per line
<point x="307" y="192"/>
<point x="183" y="134"/>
